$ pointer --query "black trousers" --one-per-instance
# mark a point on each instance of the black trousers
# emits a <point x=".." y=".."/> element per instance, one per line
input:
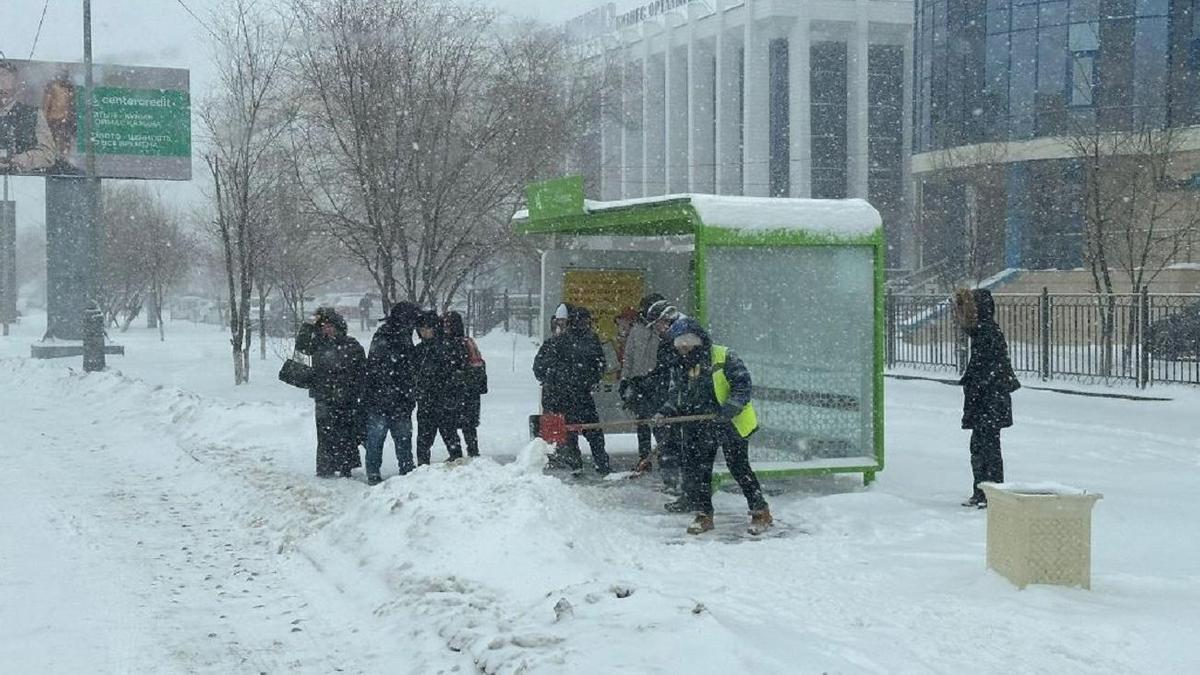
<point x="987" y="464"/>
<point x="647" y="402"/>
<point x="432" y="419"/>
<point x="337" y="439"/>
<point x="700" y="443"/>
<point x="583" y="412"/>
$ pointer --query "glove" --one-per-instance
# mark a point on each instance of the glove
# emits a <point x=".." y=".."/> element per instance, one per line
<point x="623" y="390"/>
<point x="729" y="411"/>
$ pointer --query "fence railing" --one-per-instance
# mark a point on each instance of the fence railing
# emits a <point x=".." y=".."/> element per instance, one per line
<point x="488" y="309"/>
<point x="1141" y="338"/>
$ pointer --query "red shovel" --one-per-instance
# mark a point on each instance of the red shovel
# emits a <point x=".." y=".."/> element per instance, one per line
<point x="553" y="427"/>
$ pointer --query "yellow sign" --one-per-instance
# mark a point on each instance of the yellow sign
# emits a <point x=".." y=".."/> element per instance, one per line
<point x="605" y="293"/>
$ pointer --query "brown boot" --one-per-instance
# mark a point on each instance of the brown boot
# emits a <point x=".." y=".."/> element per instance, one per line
<point x="760" y="521"/>
<point x="703" y="523"/>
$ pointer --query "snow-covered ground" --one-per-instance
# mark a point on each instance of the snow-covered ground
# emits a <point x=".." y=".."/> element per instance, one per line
<point x="153" y="518"/>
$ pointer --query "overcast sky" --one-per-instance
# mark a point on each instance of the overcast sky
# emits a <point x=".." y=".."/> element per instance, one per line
<point x="156" y="33"/>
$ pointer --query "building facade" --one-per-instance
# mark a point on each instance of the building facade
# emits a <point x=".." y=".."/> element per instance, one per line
<point x="1008" y="93"/>
<point x="769" y="98"/>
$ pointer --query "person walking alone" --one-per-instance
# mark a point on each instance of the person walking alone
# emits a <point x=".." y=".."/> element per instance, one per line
<point x="389" y="395"/>
<point x="466" y="394"/>
<point x="988" y="384"/>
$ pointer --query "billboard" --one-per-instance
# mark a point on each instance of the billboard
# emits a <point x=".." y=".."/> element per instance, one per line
<point x="142" y="119"/>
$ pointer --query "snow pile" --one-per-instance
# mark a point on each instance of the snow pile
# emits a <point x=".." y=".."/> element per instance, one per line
<point x="514" y="569"/>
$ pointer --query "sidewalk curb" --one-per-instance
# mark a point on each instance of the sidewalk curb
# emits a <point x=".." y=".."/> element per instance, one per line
<point x="1056" y="390"/>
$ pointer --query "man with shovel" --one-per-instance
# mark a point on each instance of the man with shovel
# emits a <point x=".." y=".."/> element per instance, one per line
<point x="713" y="380"/>
<point x="568" y="365"/>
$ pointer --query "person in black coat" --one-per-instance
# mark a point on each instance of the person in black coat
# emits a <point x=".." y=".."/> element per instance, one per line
<point x="568" y="365"/>
<point x="465" y="404"/>
<point x="988" y="384"/>
<point x="389" y="395"/>
<point x="439" y="382"/>
<point x="338" y="366"/>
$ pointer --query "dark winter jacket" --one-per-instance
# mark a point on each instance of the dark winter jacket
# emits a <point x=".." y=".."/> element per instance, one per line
<point x="691" y="390"/>
<point x="989" y="380"/>
<point x="471" y="379"/>
<point x="568" y="365"/>
<point x="440" y="362"/>
<point x="392" y="368"/>
<point x="339" y="366"/>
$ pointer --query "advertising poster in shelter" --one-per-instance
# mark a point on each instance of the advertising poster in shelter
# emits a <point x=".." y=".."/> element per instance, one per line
<point x="606" y="294"/>
<point x="142" y="120"/>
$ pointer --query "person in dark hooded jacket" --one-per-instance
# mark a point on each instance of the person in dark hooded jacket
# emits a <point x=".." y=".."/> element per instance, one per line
<point x="389" y="395"/>
<point x="439" y="379"/>
<point x="988" y="384"/>
<point x="712" y="380"/>
<point x="568" y="365"/>
<point x="466" y="394"/>
<point x="338" y="365"/>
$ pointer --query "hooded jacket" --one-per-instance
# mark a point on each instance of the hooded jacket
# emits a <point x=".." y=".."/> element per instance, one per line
<point x="989" y="380"/>
<point x="691" y="390"/>
<point x="391" y="363"/>
<point x="338" y="364"/>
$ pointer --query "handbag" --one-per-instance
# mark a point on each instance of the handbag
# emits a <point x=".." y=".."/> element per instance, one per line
<point x="296" y="373"/>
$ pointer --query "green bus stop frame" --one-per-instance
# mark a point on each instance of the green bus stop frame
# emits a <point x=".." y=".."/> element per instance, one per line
<point x="557" y="207"/>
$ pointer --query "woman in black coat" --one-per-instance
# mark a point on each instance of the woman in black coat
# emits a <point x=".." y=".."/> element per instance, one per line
<point x="472" y="385"/>
<point x="338" y="368"/>
<point x="439" y="383"/>
<point x="988" y="384"/>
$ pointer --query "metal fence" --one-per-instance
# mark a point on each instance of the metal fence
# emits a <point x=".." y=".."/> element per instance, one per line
<point x="488" y="309"/>
<point x="1141" y="338"/>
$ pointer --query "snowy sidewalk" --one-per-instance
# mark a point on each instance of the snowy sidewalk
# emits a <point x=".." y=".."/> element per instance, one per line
<point x="148" y="528"/>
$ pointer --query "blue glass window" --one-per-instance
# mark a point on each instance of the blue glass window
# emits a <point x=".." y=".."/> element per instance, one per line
<point x="1085" y="10"/>
<point x="1083" y="74"/>
<point x="1084" y="37"/>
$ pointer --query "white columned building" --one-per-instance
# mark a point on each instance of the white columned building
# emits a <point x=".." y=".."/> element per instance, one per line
<point x="767" y="98"/>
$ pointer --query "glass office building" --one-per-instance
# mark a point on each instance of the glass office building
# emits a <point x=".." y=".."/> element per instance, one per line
<point x="999" y="87"/>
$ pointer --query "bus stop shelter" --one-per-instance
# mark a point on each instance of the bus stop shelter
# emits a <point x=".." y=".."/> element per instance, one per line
<point x="794" y="286"/>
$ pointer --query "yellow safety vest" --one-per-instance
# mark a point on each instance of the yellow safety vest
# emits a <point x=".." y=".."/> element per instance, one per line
<point x="747" y="420"/>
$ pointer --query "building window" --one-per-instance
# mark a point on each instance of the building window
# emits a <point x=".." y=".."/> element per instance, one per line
<point x="1083" y="41"/>
<point x="827" y="77"/>
<point x="780" y="130"/>
<point x="1082" y="81"/>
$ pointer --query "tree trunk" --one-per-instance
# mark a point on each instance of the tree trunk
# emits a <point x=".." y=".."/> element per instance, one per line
<point x="262" y="324"/>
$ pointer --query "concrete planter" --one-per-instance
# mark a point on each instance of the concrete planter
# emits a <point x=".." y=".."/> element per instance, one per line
<point x="1040" y="533"/>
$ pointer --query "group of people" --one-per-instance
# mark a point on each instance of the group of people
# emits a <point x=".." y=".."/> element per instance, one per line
<point x="693" y="395"/>
<point x="361" y="397"/>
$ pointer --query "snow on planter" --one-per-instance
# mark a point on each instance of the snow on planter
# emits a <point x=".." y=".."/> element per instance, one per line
<point x="1040" y="533"/>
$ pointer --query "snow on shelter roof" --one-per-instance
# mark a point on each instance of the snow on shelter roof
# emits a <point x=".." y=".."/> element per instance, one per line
<point x="840" y="218"/>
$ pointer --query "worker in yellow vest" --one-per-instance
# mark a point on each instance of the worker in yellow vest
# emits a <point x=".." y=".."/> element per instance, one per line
<point x="713" y="380"/>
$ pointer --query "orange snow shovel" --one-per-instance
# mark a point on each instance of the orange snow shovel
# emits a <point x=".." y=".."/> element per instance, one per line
<point x="553" y="427"/>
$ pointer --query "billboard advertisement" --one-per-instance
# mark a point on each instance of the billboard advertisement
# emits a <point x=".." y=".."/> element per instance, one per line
<point x="142" y="120"/>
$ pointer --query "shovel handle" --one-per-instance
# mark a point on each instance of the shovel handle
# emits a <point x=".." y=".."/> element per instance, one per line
<point x="634" y="423"/>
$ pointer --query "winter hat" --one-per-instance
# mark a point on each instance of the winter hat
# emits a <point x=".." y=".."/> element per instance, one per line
<point x="562" y="312"/>
<point x="687" y="326"/>
<point x="329" y="315"/>
<point x="646" y="303"/>
<point x="661" y="311"/>
<point x="404" y="313"/>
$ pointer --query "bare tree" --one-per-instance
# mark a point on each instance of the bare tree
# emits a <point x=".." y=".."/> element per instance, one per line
<point x="426" y="122"/>
<point x="1137" y="219"/>
<point x="244" y="123"/>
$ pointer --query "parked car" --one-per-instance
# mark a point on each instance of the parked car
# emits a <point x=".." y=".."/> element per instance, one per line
<point x="1176" y="336"/>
